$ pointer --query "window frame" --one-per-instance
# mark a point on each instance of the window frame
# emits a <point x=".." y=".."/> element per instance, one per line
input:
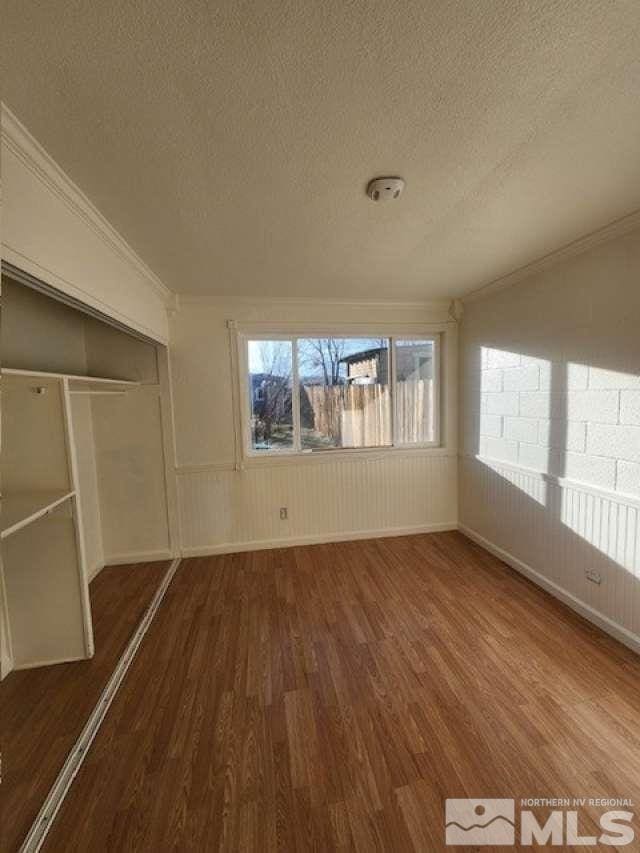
<point x="246" y="335"/>
<point x="435" y="339"/>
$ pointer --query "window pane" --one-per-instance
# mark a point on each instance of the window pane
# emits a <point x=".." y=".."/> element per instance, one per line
<point x="344" y="392"/>
<point x="270" y="400"/>
<point x="414" y="360"/>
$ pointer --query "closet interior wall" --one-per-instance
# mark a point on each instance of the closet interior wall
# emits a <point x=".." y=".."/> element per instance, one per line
<point x="121" y="435"/>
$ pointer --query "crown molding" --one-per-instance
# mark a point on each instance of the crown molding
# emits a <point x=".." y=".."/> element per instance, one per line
<point x="194" y="298"/>
<point x="615" y="229"/>
<point x="33" y="156"/>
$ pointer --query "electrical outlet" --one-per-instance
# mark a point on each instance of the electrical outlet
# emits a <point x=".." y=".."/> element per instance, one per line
<point x="284" y="513"/>
<point x="593" y="576"/>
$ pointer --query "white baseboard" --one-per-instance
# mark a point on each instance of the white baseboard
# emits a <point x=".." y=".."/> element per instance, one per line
<point x="618" y="632"/>
<point x="138" y="557"/>
<point x="314" y="539"/>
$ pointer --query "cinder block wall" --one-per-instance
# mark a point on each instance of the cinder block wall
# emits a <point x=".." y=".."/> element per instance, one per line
<point x="551" y="370"/>
<point x="600" y="410"/>
<point x="550" y="425"/>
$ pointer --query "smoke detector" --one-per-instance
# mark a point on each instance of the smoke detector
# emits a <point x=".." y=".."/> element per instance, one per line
<point x="385" y="189"/>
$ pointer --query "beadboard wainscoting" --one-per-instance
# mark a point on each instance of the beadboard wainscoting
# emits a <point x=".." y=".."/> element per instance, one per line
<point x="555" y="531"/>
<point x="387" y="494"/>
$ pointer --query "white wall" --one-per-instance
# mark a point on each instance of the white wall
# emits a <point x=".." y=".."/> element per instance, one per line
<point x="39" y="331"/>
<point x="52" y="231"/>
<point x="329" y="498"/>
<point x="132" y="483"/>
<point x="550" y="415"/>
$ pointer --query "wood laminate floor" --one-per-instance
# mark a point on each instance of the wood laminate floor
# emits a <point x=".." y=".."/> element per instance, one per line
<point x="43" y="711"/>
<point x="331" y="697"/>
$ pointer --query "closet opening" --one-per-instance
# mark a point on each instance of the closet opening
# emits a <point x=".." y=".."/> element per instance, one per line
<point x="87" y="468"/>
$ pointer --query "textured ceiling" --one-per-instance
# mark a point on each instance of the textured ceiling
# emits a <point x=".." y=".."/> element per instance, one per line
<point x="231" y="142"/>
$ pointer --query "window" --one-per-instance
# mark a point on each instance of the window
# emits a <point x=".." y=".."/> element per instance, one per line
<point x="415" y="391"/>
<point x="344" y="392"/>
<point x="308" y="394"/>
<point x="270" y="382"/>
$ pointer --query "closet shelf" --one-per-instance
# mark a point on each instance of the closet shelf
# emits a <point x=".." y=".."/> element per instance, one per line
<point x="80" y="382"/>
<point x="21" y="508"/>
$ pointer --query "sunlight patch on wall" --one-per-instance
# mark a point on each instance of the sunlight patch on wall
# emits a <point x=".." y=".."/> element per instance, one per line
<point x="568" y="420"/>
<point x="514" y="420"/>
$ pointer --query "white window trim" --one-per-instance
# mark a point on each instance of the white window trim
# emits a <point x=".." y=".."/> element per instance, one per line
<point x="258" y="331"/>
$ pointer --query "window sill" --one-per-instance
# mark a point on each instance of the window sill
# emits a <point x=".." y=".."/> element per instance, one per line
<point x="321" y="458"/>
<point x="363" y="454"/>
